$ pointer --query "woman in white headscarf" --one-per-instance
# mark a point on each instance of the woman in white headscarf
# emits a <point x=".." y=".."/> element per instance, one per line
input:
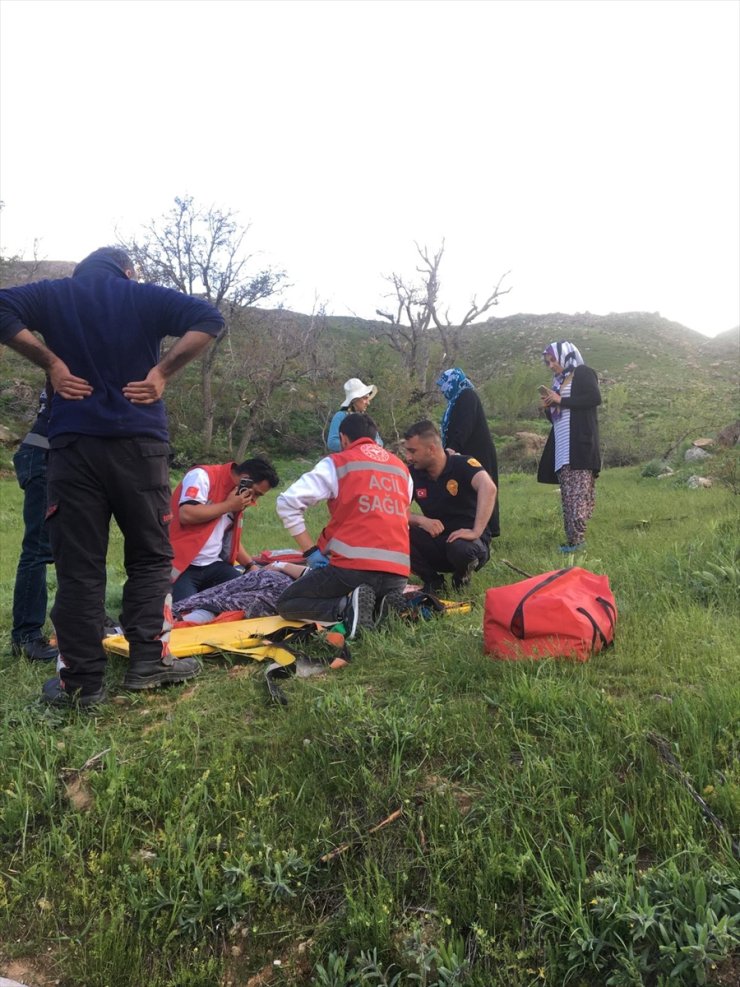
<point x="572" y="456"/>
<point x="357" y="397"/>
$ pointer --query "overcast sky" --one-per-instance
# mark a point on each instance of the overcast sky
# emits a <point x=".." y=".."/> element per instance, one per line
<point x="590" y="147"/>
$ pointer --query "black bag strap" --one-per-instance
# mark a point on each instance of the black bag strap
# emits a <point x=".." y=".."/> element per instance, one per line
<point x="597" y="631"/>
<point x="517" y="621"/>
<point x="610" y="609"/>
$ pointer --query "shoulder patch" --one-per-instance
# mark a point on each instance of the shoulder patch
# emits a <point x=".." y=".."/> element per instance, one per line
<point x="473" y="462"/>
<point x="191" y="492"/>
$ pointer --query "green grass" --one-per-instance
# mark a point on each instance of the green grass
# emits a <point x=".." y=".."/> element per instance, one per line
<point x="541" y="841"/>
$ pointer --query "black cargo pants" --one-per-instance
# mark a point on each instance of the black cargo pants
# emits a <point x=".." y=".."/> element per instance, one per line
<point x="92" y="479"/>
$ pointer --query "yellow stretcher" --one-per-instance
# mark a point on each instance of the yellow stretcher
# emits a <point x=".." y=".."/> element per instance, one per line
<point x="234" y="636"/>
<point x="241" y="637"/>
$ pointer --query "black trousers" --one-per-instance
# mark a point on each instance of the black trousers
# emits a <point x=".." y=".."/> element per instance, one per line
<point x="321" y="594"/>
<point x="92" y="479"/>
<point x="432" y="556"/>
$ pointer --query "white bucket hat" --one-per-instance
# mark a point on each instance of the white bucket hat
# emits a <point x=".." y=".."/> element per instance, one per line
<point x="354" y="388"/>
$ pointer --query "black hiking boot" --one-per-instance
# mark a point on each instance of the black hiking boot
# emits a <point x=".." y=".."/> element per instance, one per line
<point x="54" y="693"/>
<point x="166" y="671"/>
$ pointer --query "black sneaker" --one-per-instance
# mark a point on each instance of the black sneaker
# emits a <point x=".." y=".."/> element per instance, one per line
<point x="54" y="693"/>
<point x="394" y="603"/>
<point x="166" y="671"/>
<point x="358" y="615"/>
<point x="463" y="578"/>
<point x="36" y="649"/>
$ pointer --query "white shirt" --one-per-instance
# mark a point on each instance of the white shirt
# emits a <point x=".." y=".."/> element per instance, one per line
<point x="562" y="431"/>
<point x="196" y="487"/>
<point x="319" y="484"/>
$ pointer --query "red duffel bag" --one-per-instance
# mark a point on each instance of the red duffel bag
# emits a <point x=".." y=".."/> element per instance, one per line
<point x="568" y="613"/>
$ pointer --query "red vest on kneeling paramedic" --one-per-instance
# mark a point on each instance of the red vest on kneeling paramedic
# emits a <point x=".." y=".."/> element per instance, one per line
<point x="188" y="539"/>
<point x="369" y="526"/>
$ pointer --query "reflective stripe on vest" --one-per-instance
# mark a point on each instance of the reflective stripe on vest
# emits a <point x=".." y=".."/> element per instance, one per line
<point x="361" y="465"/>
<point x="357" y="552"/>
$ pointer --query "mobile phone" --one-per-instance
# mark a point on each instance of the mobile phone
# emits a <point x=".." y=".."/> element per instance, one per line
<point x="543" y="390"/>
<point x="244" y="484"/>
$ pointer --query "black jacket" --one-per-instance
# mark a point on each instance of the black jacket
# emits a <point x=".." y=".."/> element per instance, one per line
<point x="469" y="435"/>
<point x="585" y="452"/>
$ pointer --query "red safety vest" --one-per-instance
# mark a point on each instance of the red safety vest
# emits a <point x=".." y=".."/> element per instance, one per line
<point x="369" y="526"/>
<point x="188" y="539"/>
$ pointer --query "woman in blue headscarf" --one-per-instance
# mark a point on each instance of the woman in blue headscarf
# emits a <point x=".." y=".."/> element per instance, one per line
<point x="465" y="430"/>
<point x="572" y="456"/>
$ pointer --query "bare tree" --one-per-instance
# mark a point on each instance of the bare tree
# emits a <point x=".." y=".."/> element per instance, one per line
<point x="284" y="350"/>
<point x="201" y="252"/>
<point x="416" y="316"/>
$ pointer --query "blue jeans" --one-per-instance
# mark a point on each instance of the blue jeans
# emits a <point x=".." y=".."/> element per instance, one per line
<point x="29" y="595"/>
<point x="199" y="577"/>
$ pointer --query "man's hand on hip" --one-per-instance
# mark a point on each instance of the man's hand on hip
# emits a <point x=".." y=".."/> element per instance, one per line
<point x="146" y="391"/>
<point x="66" y="385"/>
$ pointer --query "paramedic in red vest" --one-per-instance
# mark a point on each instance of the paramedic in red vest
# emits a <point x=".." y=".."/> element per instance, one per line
<point x="207" y="518"/>
<point x="361" y="558"/>
<point x="456" y="496"/>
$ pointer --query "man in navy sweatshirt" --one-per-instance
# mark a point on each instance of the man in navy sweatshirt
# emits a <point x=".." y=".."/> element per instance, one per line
<point x="108" y="455"/>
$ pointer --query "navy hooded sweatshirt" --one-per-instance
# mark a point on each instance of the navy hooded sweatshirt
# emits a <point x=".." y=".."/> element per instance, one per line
<point x="108" y="330"/>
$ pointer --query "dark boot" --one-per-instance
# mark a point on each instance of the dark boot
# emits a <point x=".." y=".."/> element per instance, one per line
<point x="36" y="649"/>
<point x="54" y="693"/>
<point x="165" y="671"/>
<point x="461" y="579"/>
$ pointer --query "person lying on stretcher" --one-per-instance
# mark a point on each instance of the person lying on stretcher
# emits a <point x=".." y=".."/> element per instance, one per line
<point x="255" y="593"/>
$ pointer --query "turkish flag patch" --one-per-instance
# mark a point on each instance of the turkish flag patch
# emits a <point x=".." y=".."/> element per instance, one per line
<point x="421" y="493"/>
<point x="192" y="492"/>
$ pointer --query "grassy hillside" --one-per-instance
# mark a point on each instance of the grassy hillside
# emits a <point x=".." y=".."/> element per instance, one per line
<point x="660" y="380"/>
<point x="537" y="835"/>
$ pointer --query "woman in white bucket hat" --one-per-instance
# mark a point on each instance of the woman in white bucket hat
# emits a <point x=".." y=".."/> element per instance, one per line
<point x="357" y="396"/>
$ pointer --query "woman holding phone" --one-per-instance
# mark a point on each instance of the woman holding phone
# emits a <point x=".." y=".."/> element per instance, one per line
<point x="572" y="455"/>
